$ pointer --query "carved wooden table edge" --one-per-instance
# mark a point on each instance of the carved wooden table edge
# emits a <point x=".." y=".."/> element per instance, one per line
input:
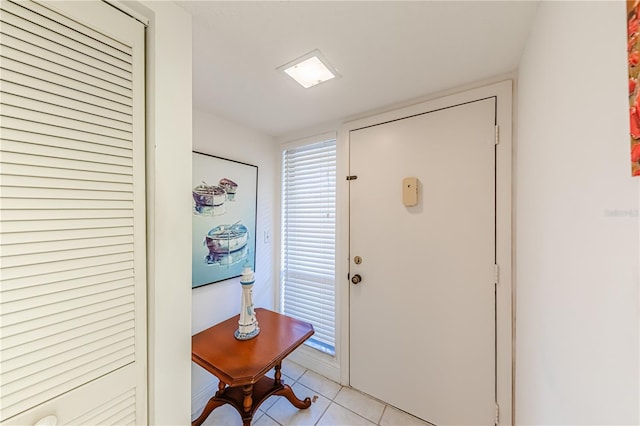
<point x="246" y="397"/>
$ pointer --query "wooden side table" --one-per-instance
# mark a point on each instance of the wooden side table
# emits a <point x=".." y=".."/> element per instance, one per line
<point x="241" y="365"/>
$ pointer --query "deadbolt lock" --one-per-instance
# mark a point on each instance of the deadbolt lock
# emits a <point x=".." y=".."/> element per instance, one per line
<point x="357" y="260"/>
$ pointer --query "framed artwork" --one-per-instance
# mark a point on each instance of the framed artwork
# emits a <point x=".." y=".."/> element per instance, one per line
<point x="224" y="204"/>
<point x="633" y="55"/>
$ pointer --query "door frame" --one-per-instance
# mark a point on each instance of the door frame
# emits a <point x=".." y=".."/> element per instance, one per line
<point x="505" y="315"/>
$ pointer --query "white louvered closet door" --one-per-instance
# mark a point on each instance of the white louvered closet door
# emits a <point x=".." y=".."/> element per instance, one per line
<point x="72" y="214"/>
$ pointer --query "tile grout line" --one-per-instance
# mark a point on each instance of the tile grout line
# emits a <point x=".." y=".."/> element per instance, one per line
<point x="384" y="410"/>
<point x="333" y="401"/>
<point x="324" y="412"/>
<point x="360" y="415"/>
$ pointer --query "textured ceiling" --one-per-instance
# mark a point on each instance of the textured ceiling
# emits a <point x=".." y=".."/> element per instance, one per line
<point x="386" y="51"/>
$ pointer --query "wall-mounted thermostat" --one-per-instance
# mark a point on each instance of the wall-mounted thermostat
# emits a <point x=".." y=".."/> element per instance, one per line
<point x="410" y="191"/>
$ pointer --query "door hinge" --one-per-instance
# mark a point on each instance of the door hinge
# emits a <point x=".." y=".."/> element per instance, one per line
<point x="496" y="274"/>
<point x="497" y="414"/>
<point x="497" y="140"/>
<point x="352" y="177"/>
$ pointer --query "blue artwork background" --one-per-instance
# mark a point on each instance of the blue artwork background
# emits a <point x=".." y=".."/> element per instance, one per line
<point x="242" y="209"/>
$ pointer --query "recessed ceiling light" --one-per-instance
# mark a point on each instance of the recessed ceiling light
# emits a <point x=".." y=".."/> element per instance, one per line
<point x="310" y="69"/>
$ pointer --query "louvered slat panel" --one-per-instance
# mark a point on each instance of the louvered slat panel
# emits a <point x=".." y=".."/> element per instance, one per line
<point x="13" y="38"/>
<point x="35" y="363"/>
<point x="50" y="388"/>
<point x="43" y="34"/>
<point x="64" y="235"/>
<point x="64" y="373"/>
<point x="54" y="308"/>
<point x="11" y="135"/>
<point x="66" y="320"/>
<point x="17" y="192"/>
<point x="50" y="268"/>
<point x="63" y="351"/>
<point x="69" y="199"/>
<point x="78" y="31"/>
<point x="70" y="338"/>
<point x="64" y="255"/>
<point x="13" y="79"/>
<point x="117" y="411"/>
<point x="27" y="170"/>
<point x="62" y="357"/>
<point x="128" y="420"/>
<point x="55" y="225"/>
<point x="76" y="71"/>
<point x="61" y="80"/>
<point x="14" y="48"/>
<point x="121" y="413"/>
<point x="11" y="215"/>
<point x="62" y="121"/>
<point x="52" y="204"/>
<point x="29" y="104"/>
<point x="9" y="88"/>
<point x="64" y="149"/>
<point x="58" y="183"/>
<point x="81" y="283"/>
<point x="61" y="132"/>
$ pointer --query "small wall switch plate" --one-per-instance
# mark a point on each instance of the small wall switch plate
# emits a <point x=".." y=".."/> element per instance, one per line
<point x="410" y="191"/>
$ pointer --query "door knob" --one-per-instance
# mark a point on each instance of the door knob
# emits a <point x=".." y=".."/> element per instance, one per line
<point x="356" y="279"/>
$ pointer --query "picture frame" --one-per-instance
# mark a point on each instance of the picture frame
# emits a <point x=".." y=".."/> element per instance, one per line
<point x="224" y="218"/>
<point x="633" y="66"/>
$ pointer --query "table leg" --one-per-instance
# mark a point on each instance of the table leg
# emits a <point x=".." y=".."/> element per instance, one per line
<point x="247" y="404"/>
<point x="287" y="392"/>
<point x="278" y="376"/>
<point x="221" y="386"/>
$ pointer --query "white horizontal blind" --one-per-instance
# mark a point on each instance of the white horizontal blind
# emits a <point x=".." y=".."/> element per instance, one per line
<point x="68" y="211"/>
<point x="308" y="239"/>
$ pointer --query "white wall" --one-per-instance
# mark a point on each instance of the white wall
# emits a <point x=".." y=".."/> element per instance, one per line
<point x="216" y="302"/>
<point x="168" y="210"/>
<point x="577" y="263"/>
<point x="576" y="258"/>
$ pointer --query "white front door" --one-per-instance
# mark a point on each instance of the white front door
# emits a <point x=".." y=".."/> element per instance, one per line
<point x="72" y="222"/>
<point x="422" y="320"/>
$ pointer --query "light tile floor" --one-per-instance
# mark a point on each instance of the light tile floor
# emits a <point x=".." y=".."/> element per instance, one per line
<point x="334" y="405"/>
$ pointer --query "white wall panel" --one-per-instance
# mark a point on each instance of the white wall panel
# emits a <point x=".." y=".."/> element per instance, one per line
<point x="577" y="274"/>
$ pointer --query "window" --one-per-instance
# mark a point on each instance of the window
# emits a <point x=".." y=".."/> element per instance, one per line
<point x="308" y="238"/>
